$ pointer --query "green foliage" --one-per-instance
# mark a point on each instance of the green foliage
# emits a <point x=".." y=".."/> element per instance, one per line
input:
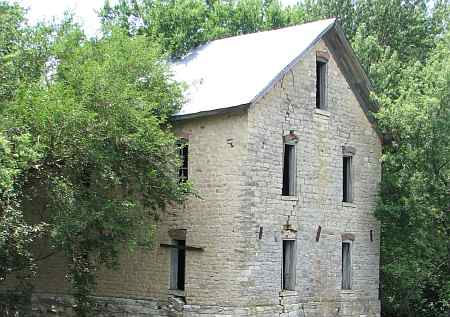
<point x="180" y="25"/>
<point x="87" y="148"/>
<point x="415" y="203"/>
<point x="15" y="303"/>
<point x="23" y="50"/>
<point x="17" y="157"/>
<point x="403" y="26"/>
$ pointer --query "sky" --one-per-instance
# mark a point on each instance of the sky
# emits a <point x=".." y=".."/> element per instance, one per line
<point x="85" y="10"/>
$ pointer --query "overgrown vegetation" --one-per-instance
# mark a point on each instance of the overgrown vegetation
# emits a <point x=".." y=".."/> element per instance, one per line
<point x="87" y="157"/>
<point x="82" y="119"/>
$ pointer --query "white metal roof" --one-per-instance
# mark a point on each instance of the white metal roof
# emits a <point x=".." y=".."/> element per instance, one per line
<point x="236" y="70"/>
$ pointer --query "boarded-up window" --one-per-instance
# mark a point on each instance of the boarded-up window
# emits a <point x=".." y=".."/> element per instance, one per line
<point x="289" y="265"/>
<point x="289" y="170"/>
<point x="346" y="265"/>
<point x="321" y="84"/>
<point x="347" y="189"/>
<point x="178" y="265"/>
<point x="184" y="151"/>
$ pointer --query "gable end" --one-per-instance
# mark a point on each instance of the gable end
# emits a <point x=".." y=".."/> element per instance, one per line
<point x="351" y="68"/>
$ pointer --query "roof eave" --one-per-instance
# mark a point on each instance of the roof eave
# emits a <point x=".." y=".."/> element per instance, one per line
<point x="180" y="117"/>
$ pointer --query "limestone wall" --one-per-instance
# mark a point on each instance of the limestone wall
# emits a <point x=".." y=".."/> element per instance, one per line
<point x="217" y="151"/>
<point x="291" y="105"/>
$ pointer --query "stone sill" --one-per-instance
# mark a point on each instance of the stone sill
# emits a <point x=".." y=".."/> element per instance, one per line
<point x="287" y="293"/>
<point x="348" y="204"/>
<point x="322" y="112"/>
<point x="289" y="198"/>
<point x="176" y="292"/>
<point x="347" y="292"/>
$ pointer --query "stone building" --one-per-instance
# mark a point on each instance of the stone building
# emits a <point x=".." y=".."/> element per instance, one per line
<point x="281" y="147"/>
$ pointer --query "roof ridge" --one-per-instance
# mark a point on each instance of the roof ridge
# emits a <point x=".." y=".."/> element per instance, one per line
<point x="268" y="31"/>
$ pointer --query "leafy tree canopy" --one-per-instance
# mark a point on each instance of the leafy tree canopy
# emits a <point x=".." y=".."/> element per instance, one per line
<point x="87" y="156"/>
<point x="180" y="25"/>
<point x="23" y="50"/>
<point x="414" y="205"/>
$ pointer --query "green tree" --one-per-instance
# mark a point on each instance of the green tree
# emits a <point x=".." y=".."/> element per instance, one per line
<point x="415" y="198"/>
<point x="17" y="156"/>
<point x="23" y="50"/>
<point x="404" y="26"/>
<point x="88" y="150"/>
<point x="180" y="25"/>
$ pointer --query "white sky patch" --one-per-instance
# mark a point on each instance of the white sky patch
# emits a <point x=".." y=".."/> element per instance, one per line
<point x="85" y="11"/>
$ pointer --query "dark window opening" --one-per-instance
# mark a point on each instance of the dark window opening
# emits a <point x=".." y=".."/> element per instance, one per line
<point x="184" y="154"/>
<point x="288" y="271"/>
<point x="347" y="190"/>
<point x="289" y="172"/>
<point x="178" y="265"/>
<point x="346" y="265"/>
<point x="321" y="84"/>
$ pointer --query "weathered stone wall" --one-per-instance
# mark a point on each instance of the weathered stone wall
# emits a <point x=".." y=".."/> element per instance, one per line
<point x="291" y="105"/>
<point x="57" y="305"/>
<point x="44" y="304"/>
<point x="217" y="151"/>
<point x="235" y="162"/>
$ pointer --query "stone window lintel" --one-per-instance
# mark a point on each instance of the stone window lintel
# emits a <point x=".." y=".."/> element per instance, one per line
<point x="323" y="55"/>
<point x="348" y="237"/>
<point x="290" y="137"/>
<point x="348" y="150"/>
<point x="177" y="234"/>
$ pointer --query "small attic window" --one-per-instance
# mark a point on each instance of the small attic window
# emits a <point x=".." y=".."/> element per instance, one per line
<point x="183" y="151"/>
<point x="321" y="83"/>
